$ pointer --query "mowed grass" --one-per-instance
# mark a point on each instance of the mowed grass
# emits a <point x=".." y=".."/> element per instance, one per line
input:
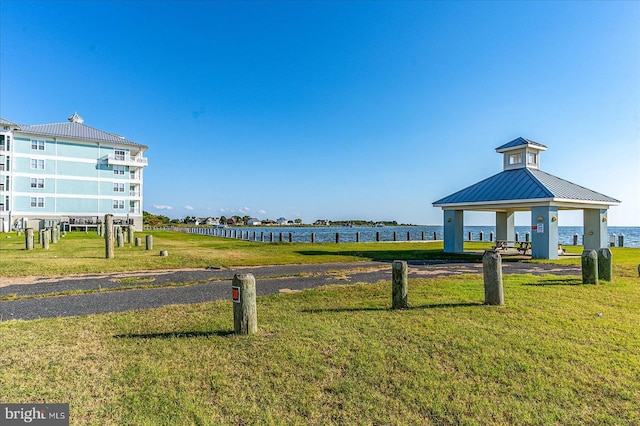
<point x="558" y="352"/>
<point x="79" y="253"/>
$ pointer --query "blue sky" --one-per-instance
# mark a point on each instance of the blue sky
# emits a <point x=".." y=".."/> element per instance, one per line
<point x="336" y="110"/>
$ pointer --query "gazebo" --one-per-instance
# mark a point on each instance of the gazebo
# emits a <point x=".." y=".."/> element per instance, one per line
<point x="522" y="186"/>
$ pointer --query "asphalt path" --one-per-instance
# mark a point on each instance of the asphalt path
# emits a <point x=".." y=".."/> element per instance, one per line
<point x="49" y="297"/>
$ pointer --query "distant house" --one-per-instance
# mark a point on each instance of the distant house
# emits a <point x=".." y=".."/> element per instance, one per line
<point x="254" y="222"/>
<point x="207" y="221"/>
<point x="322" y="222"/>
<point x="283" y="221"/>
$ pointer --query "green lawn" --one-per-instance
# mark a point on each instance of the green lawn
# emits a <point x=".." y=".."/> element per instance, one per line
<point x="79" y="253"/>
<point x="558" y="352"/>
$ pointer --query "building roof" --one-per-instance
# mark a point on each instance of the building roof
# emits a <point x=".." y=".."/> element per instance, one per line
<point x="4" y="122"/>
<point x="524" y="185"/>
<point x="76" y="130"/>
<point x="520" y="142"/>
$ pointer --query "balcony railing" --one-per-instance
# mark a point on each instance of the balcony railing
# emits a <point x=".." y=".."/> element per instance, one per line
<point x="134" y="193"/>
<point x="134" y="210"/>
<point x="125" y="160"/>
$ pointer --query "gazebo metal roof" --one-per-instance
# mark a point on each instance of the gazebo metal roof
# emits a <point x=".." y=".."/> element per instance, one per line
<point x="522" y="188"/>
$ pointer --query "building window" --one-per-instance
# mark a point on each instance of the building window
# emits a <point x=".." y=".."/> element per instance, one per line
<point x="119" y="154"/>
<point x="37" y="164"/>
<point x="37" y="183"/>
<point x="37" y="144"/>
<point x="532" y="158"/>
<point x="515" y="158"/>
<point x="37" y="202"/>
<point x="118" y="187"/>
<point x="118" y="204"/>
<point x="118" y="170"/>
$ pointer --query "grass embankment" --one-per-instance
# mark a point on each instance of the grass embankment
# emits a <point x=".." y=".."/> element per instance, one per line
<point x="558" y="352"/>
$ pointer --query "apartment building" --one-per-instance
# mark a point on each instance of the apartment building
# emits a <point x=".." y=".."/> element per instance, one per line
<point x="70" y="173"/>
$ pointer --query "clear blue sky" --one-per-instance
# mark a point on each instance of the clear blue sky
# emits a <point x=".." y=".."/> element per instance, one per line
<point x="336" y="110"/>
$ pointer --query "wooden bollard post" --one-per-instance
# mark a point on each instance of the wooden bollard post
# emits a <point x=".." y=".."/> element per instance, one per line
<point x="435" y="235"/>
<point x="399" y="285"/>
<point x="491" y="236"/>
<point x="245" y="313"/>
<point x="422" y="235"/>
<point x="132" y="233"/>
<point x="481" y="236"/>
<point x="337" y="237"/>
<point x="470" y="235"/>
<point x="605" y="264"/>
<point x="45" y="239"/>
<point x="575" y="239"/>
<point x="621" y="240"/>
<point x="138" y="241"/>
<point x="589" y="267"/>
<point x="164" y="253"/>
<point x="149" y="242"/>
<point x="408" y="235"/>
<point x="120" y="237"/>
<point x="280" y="237"/>
<point x="377" y="236"/>
<point x="357" y="237"/>
<point x="108" y="236"/>
<point x="290" y="237"/>
<point x="395" y="236"/>
<point x="527" y="237"/>
<point x="313" y="237"/>
<point x="28" y="236"/>
<point x="492" y="271"/>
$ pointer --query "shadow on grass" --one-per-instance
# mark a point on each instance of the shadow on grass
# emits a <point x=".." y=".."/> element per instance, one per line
<point x="556" y="281"/>
<point x="429" y="306"/>
<point x="176" y="334"/>
<point x="389" y="255"/>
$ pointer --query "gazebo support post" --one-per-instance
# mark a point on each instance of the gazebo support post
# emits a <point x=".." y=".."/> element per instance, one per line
<point x="595" y="229"/>
<point x="544" y="232"/>
<point x="453" y="231"/>
<point x="505" y="226"/>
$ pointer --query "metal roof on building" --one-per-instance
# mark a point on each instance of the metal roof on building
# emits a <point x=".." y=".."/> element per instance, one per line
<point x="520" y="142"/>
<point x="524" y="184"/>
<point x="75" y="130"/>
<point x="8" y="123"/>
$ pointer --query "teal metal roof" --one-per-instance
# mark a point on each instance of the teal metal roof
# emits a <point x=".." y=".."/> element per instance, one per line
<point x="520" y="142"/>
<point x="523" y="184"/>
<point x="73" y="130"/>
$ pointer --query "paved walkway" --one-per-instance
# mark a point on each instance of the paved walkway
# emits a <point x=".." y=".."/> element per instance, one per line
<point x="43" y="297"/>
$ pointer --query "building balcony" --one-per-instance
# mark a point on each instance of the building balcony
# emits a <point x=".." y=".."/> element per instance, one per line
<point x="125" y="160"/>
<point x="134" y="193"/>
<point x="135" y="210"/>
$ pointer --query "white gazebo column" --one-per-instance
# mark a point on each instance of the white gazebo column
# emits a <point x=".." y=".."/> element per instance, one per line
<point x="595" y="229"/>
<point x="505" y="226"/>
<point x="544" y="232"/>
<point x="453" y="231"/>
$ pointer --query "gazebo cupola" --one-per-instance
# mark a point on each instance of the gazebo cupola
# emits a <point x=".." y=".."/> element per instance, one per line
<point x="520" y="153"/>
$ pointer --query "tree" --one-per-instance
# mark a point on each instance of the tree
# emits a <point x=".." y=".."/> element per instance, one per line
<point x="298" y="221"/>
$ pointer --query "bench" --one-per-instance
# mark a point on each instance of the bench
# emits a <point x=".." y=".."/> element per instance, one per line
<point x="522" y="247"/>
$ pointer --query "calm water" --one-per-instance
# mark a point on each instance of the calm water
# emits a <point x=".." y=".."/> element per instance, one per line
<point x="368" y="233"/>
